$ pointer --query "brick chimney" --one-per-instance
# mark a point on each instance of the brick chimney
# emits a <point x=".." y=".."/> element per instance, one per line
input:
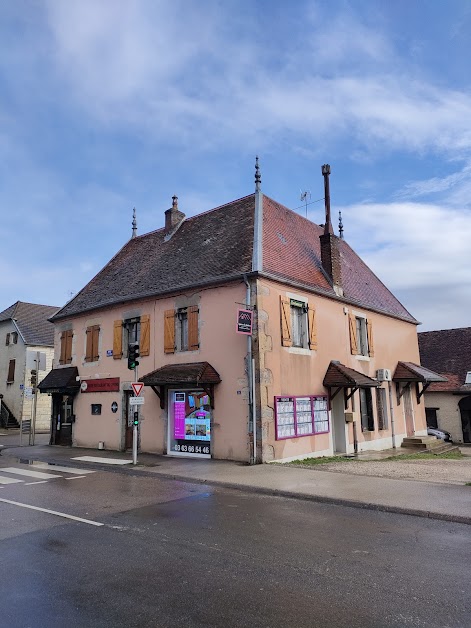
<point x="173" y="217"/>
<point x="330" y="252"/>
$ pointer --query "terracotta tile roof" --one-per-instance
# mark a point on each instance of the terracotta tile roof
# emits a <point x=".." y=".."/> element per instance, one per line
<point x="448" y="352"/>
<point x="195" y="373"/>
<point x="291" y="249"/>
<point x="60" y="379"/>
<point x="410" y="372"/>
<point x="32" y="321"/>
<point x="207" y="247"/>
<point x="340" y="376"/>
<point x="216" y="246"/>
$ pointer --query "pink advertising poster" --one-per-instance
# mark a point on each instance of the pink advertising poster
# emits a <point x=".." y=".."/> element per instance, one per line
<point x="179" y="416"/>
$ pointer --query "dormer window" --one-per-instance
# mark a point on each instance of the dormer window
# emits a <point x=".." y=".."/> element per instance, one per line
<point x="468" y="378"/>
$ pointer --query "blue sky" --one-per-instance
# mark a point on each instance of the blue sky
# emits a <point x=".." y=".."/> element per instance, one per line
<point x="110" y="104"/>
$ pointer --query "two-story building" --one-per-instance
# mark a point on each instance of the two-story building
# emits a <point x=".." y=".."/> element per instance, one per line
<point x="315" y="376"/>
<point x="25" y="332"/>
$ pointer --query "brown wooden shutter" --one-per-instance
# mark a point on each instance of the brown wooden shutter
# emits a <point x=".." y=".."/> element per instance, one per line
<point x="285" y="312"/>
<point x="144" y="345"/>
<point x="169" y="331"/>
<point x="11" y="371"/>
<point x="63" y="344"/>
<point x="68" y="346"/>
<point x="117" y="340"/>
<point x="312" y="327"/>
<point x="193" y="340"/>
<point x="7" y="339"/>
<point x="89" y="345"/>
<point x="352" y="321"/>
<point x="371" y="350"/>
<point x="95" y="342"/>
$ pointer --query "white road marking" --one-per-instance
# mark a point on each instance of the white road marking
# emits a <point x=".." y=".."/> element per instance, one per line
<point x="38" y="482"/>
<point x="102" y="460"/>
<point x="52" y="512"/>
<point x="79" y="477"/>
<point x="5" y="480"/>
<point x="31" y="474"/>
<point x="55" y="467"/>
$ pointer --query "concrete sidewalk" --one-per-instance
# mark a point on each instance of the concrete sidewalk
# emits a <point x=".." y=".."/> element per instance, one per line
<point x="424" y="499"/>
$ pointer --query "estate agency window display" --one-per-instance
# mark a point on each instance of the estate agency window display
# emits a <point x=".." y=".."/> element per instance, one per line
<point x="190" y="427"/>
<point x="301" y="416"/>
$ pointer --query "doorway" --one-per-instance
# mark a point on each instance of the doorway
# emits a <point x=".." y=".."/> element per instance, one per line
<point x="62" y="420"/>
<point x="339" y="427"/>
<point x="408" y="412"/>
<point x="465" y="410"/>
<point x="128" y="421"/>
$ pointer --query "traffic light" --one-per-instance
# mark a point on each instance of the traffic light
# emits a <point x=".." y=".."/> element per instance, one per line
<point x="34" y="378"/>
<point x="136" y="419"/>
<point x="133" y="354"/>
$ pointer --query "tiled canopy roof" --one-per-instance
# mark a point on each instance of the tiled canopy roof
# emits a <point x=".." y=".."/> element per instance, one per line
<point x="32" y="321"/>
<point x="448" y="352"/>
<point x="195" y="373"/>
<point x="60" y="379"/>
<point x="340" y="376"/>
<point x="216" y="246"/>
<point x="410" y="372"/>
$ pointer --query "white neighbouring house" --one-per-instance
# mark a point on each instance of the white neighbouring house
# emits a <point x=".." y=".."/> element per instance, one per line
<point x="24" y="328"/>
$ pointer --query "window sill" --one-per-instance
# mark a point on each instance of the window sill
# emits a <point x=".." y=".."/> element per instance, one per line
<point x="299" y="351"/>
<point x="363" y="358"/>
<point x="301" y="435"/>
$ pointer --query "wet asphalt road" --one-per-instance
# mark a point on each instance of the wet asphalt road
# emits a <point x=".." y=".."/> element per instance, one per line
<point x="176" y="554"/>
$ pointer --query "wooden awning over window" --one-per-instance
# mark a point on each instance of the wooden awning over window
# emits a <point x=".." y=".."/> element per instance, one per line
<point x="61" y="381"/>
<point x="338" y="376"/>
<point x="200" y="374"/>
<point x="407" y="373"/>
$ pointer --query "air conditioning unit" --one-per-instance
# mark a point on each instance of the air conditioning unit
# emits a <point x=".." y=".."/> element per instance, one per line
<point x="383" y="375"/>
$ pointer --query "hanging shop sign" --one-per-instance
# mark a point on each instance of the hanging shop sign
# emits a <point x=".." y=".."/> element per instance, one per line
<point x="110" y="384"/>
<point x="244" y="322"/>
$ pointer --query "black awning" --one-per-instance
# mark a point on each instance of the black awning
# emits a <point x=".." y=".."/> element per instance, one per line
<point x="340" y="376"/>
<point x="410" y="372"/>
<point x="63" y="380"/>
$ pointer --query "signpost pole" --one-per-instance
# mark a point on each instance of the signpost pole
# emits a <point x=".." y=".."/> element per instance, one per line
<point x="135" y="426"/>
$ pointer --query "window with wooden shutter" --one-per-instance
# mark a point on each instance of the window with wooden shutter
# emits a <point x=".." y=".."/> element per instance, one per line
<point x="7" y="339"/>
<point x="11" y="372"/>
<point x="93" y="336"/>
<point x="285" y="314"/>
<point x="145" y="335"/>
<point x="169" y="331"/>
<point x="366" y="410"/>
<point x="193" y="336"/>
<point x="352" y="323"/>
<point x="117" y="340"/>
<point x="312" y="327"/>
<point x="369" y="328"/>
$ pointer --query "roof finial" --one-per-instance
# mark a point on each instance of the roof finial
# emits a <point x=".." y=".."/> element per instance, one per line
<point x="328" y="224"/>
<point x="134" y="223"/>
<point x="340" y="225"/>
<point x="258" y="178"/>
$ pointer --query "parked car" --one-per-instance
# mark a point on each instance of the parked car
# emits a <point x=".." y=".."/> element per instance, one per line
<point x="443" y="434"/>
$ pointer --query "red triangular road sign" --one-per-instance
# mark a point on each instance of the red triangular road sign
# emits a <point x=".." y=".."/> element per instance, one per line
<point x="137" y="387"/>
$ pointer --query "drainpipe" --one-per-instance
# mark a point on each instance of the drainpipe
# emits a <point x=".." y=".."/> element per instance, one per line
<point x="251" y="383"/>
<point x="391" y="411"/>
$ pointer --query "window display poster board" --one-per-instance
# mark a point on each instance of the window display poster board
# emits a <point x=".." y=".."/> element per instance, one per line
<point x="191" y="423"/>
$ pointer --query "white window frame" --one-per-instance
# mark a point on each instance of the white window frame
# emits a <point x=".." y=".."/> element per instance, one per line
<point x="361" y="330"/>
<point x="304" y="348"/>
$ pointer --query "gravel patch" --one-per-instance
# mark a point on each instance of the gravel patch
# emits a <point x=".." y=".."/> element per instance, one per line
<point x="440" y="470"/>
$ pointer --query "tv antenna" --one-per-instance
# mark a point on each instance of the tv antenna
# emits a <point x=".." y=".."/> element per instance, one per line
<point x="305" y="198"/>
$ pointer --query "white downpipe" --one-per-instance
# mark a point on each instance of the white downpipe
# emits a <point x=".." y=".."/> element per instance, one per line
<point x="391" y="411"/>
<point x="254" y="414"/>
